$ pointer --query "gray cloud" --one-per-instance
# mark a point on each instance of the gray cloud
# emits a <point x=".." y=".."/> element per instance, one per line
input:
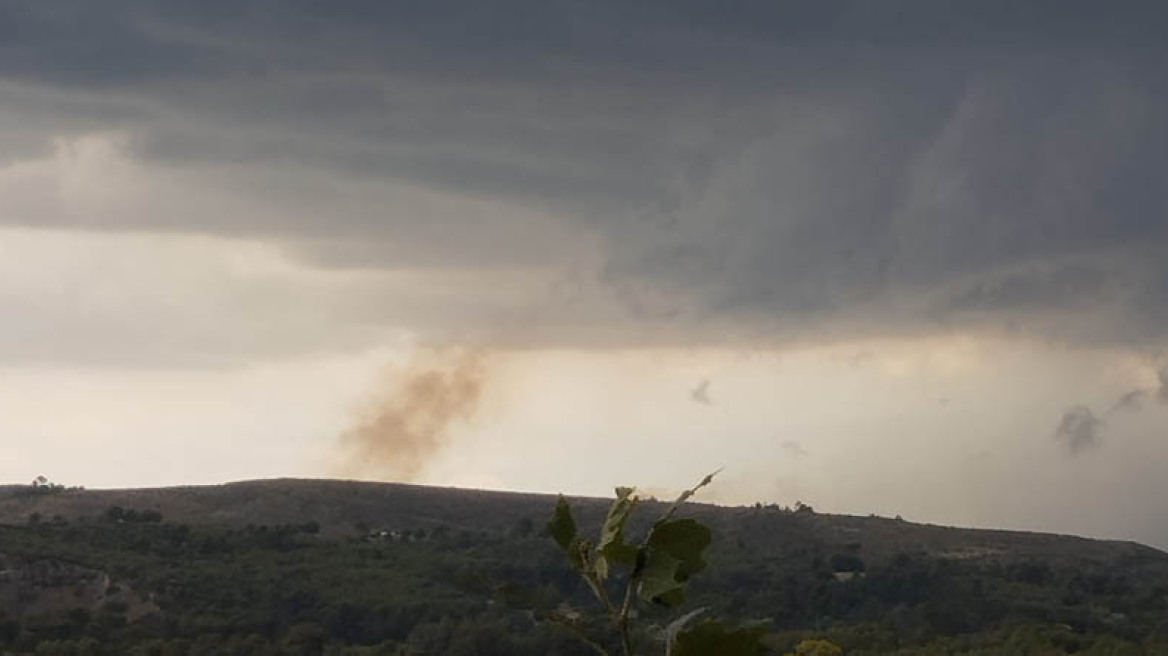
<point x="687" y="174"/>
<point x="1036" y="288"/>
<point x="1079" y="429"/>
<point x="1132" y="401"/>
<point x="701" y="393"/>
<point x="793" y="448"/>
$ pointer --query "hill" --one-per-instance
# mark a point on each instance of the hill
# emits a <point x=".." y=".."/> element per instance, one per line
<point x="346" y="507"/>
<point x="307" y="566"/>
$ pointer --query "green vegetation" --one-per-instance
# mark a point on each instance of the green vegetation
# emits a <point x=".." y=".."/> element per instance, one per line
<point x="41" y="486"/>
<point x="656" y="571"/>
<point x="473" y="574"/>
<point x="277" y="590"/>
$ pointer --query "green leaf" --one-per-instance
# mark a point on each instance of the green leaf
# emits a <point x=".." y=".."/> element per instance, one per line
<point x="612" y="546"/>
<point x="684" y="539"/>
<point x="618" y="514"/>
<point x="580" y="558"/>
<point x="579" y="552"/>
<point x="671" y="598"/>
<point x="673" y="554"/>
<point x="621" y="554"/>
<point x="684" y="496"/>
<point x="708" y="479"/>
<point x="712" y="638"/>
<point x="562" y="526"/>
<point x="658" y="578"/>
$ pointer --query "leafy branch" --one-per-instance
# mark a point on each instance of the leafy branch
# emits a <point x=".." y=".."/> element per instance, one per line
<point x="658" y="569"/>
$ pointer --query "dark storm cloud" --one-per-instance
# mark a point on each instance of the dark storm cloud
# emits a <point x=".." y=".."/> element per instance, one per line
<point x="743" y="170"/>
<point x="1063" y="285"/>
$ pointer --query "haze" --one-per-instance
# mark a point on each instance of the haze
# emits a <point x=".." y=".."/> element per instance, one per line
<point x="899" y="258"/>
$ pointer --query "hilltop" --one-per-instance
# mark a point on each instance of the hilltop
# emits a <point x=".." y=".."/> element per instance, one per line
<point x="344" y="508"/>
<point x="393" y="568"/>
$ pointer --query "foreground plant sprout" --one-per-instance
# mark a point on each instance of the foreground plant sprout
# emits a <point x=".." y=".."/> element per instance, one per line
<point x="654" y="571"/>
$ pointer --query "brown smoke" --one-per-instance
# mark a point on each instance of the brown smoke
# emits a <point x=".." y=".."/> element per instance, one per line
<point x="410" y="420"/>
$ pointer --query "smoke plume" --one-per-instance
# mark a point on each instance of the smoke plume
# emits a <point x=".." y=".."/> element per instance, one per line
<point x="410" y="420"/>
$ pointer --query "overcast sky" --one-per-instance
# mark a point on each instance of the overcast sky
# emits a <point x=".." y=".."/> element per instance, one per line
<point x="901" y="257"/>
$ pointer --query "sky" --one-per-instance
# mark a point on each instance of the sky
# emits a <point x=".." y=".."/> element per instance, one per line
<point x="906" y="258"/>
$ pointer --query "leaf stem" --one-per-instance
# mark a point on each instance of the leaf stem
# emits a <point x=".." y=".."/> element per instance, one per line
<point x="623" y="619"/>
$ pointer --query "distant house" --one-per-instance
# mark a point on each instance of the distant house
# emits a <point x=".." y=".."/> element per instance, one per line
<point x="392" y="535"/>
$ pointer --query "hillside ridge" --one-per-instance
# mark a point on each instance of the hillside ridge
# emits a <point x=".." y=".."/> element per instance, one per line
<point x="346" y="506"/>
